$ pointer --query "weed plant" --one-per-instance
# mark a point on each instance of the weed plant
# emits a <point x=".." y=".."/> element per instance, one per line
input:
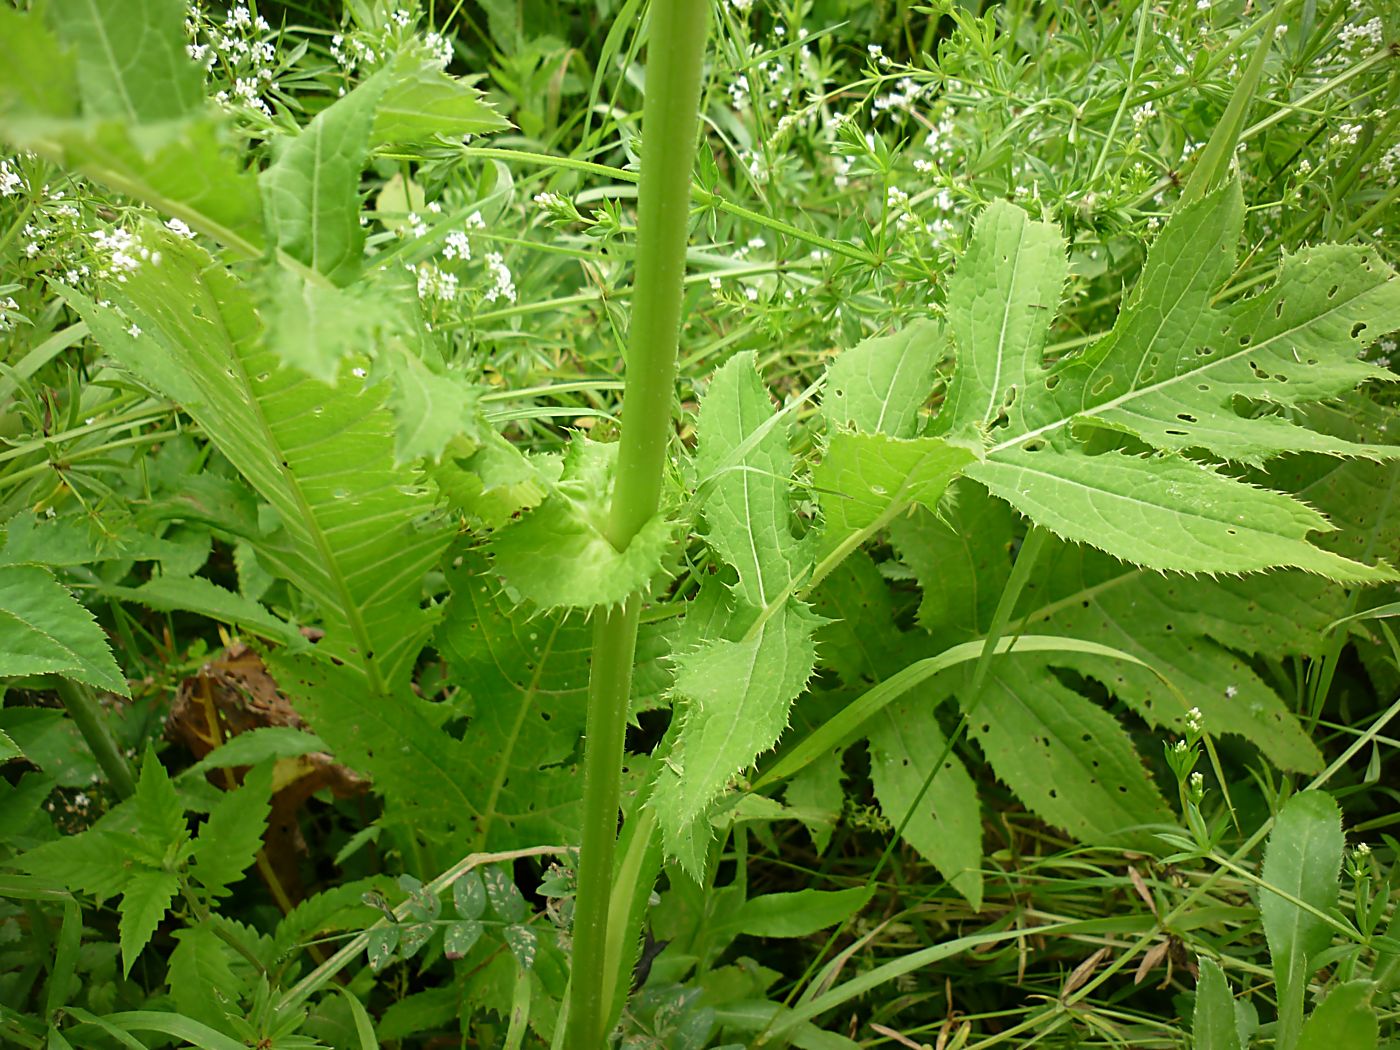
<point x="915" y="573"/>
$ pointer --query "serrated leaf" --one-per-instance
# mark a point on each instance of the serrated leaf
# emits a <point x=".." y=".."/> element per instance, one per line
<point x="95" y="861"/>
<point x="382" y="942"/>
<point x="744" y="466"/>
<point x="469" y="895"/>
<point x="356" y="536"/>
<point x="492" y="483"/>
<point x="45" y="630"/>
<point x="159" y="813"/>
<point x="201" y="596"/>
<point x="737" y="698"/>
<point x="230" y="839"/>
<point x="1064" y="756"/>
<point x="524" y="684"/>
<point x="314" y="326"/>
<point x="881" y="384"/>
<point x="1001" y="300"/>
<point x="430" y="409"/>
<point x="145" y="900"/>
<point x="460" y="937"/>
<point x="201" y="977"/>
<point x="506" y="899"/>
<point x="311" y="190"/>
<point x="523" y="943"/>
<point x="1171" y="374"/>
<point x="422" y="102"/>
<point x="1213" y="1022"/>
<point x="9" y="750"/>
<point x="946" y="824"/>
<point x="1303" y="859"/>
<point x="559" y="555"/>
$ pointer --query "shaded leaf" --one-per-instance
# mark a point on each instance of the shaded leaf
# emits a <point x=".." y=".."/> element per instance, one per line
<point x="44" y="630"/>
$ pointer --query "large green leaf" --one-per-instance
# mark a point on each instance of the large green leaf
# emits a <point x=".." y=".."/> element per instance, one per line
<point x="311" y="191"/>
<point x="1064" y="756"/>
<point x="145" y="900"/>
<point x="1172" y="373"/>
<point x="422" y="101"/>
<point x="45" y="630"/>
<point x="356" y="535"/>
<point x="230" y="839"/>
<point x="524" y="682"/>
<point x="131" y="55"/>
<point x="743" y="657"/>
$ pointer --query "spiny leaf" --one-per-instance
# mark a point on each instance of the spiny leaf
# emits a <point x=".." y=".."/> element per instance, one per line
<point x="1171" y="374"/>
<point x="422" y="101"/>
<point x="311" y="190"/>
<point x="1213" y="1023"/>
<point x="559" y="556"/>
<point x="737" y="697"/>
<point x="524" y="683"/>
<point x="744" y="466"/>
<point x="44" y="630"/>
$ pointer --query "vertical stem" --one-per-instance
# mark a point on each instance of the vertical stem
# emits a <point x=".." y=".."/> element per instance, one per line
<point x="92" y="724"/>
<point x="670" y="121"/>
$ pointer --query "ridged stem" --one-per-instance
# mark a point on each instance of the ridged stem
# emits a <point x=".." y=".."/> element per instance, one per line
<point x="670" y="121"/>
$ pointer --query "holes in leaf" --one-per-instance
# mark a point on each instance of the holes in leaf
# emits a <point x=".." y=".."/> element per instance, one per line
<point x="1204" y="351"/>
<point x="1245" y="340"/>
<point x="1203" y="387"/>
<point x="1332" y="292"/>
<point x="1278" y="308"/>
<point x="1054" y="793"/>
<point x="1186" y="417"/>
<point x="1051" y="382"/>
<point x="1358" y="328"/>
<point x="1034" y="445"/>
<point x="1176" y="433"/>
<point x="1259" y="373"/>
<point x="1101" y="386"/>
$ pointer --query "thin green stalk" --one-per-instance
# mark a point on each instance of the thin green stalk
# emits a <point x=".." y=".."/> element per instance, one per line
<point x="670" y="122"/>
<point x="87" y="716"/>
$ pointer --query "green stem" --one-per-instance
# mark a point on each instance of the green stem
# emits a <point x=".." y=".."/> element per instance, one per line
<point x="92" y="724"/>
<point x="670" y="122"/>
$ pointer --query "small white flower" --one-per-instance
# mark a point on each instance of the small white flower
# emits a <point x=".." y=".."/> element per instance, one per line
<point x="177" y="227"/>
<point x="1231" y="692"/>
<point x="457" y="246"/>
<point x="133" y="330"/>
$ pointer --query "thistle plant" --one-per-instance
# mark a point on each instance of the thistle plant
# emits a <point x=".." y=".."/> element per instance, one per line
<point x="1028" y="492"/>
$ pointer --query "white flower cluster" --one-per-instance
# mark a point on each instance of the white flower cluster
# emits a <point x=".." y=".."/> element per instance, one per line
<point x="243" y="46"/>
<point x="10" y="181"/>
<point x="120" y="253"/>
<point x="458" y="246"/>
<point x="434" y="283"/>
<point x="8" y="308"/>
<point x="1365" y="38"/>
<point x="503" y="286"/>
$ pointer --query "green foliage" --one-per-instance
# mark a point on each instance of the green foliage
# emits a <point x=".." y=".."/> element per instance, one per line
<point x="358" y="399"/>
